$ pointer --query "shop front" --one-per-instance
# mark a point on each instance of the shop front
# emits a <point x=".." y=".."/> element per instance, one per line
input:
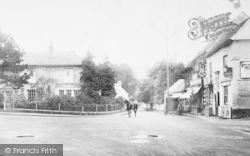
<point x="196" y="97"/>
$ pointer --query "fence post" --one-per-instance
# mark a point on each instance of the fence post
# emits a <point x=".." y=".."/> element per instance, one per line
<point x="82" y="108"/>
<point x="106" y="108"/>
<point x="59" y="107"/>
<point x="36" y="106"/>
<point x="96" y="108"/>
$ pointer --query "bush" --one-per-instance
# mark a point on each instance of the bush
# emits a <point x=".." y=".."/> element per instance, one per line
<point x="108" y="100"/>
<point x="119" y="100"/>
<point x="83" y="99"/>
<point x="66" y="100"/>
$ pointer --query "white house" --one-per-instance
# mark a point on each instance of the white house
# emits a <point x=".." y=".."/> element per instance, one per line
<point x="228" y="68"/>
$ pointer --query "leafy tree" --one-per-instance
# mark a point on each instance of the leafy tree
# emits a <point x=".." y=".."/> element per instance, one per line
<point x="106" y="77"/>
<point x="89" y="77"/>
<point x="152" y="90"/>
<point x="146" y="91"/>
<point x="11" y="69"/>
<point x="97" y="79"/>
<point x="124" y="73"/>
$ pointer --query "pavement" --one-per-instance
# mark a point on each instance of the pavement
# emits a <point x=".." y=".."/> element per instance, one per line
<point x="150" y="133"/>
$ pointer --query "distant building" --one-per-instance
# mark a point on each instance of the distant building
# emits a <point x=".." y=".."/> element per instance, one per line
<point x="53" y="73"/>
<point x="120" y="91"/>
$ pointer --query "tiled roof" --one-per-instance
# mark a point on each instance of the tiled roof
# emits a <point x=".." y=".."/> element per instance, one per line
<point x="54" y="59"/>
<point x="223" y="40"/>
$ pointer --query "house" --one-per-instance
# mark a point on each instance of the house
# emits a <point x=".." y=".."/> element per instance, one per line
<point x="171" y="96"/>
<point x="228" y="68"/>
<point x="195" y="71"/>
<point x="50" y="73"/>
<point x="120" y="91"/>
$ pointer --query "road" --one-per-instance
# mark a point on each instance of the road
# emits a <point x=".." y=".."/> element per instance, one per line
<point x="150" y="133"/>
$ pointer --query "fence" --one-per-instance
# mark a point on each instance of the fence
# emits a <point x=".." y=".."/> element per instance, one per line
<point x="74" y="108"/>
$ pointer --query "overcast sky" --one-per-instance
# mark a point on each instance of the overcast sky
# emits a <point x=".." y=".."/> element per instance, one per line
<point x="130" y="31"/>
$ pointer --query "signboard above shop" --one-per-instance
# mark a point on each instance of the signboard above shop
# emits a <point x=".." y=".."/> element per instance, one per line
<point x="210" y="28"/>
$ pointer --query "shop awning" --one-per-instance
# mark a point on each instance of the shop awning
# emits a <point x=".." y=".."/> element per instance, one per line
<point x="175" y="95"/>
<point x="177" y="87"/>
<point x="196" y="89"/>
<point x="187" y="94"/>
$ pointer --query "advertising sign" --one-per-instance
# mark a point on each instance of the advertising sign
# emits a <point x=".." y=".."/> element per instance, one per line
<point x="245" y="69"/>
<point x="211" y="27"/>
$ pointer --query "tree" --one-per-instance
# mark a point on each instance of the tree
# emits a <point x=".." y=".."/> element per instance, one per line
<point x="106" y="77"/>
<point x="97" y="80"/>
<point x="152" y="89"/>
<point x="11" y="69"/>
<point x="89" y="77"/>
<point x="124" y="73"/>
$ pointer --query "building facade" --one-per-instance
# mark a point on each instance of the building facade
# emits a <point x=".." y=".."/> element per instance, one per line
<point x="228" y="68"/>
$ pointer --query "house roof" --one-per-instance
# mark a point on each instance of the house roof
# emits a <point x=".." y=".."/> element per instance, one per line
<point x="56" y="59"/>
<point x="224" y="40"/>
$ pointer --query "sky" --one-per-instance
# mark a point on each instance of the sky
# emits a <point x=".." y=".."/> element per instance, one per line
<point x="135" y="32"/>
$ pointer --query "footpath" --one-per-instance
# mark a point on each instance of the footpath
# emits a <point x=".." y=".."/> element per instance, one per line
<point x="30" y="112"/>
<point x="240" y="125"/>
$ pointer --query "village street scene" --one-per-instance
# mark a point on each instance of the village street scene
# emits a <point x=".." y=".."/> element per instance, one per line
<point x="123" y="77"/>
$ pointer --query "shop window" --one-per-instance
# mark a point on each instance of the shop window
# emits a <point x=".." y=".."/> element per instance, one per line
<point x="69" y="92"/>
<point x="31" y="95"/>
<point x="61" y="92"/>
<point x="226" y="95"/>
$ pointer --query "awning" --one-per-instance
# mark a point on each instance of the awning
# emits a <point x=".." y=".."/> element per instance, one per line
<point x="178" y="86"/>
<point x="187" y="94"/>
<point x="175" y="95"/>
<point x="196" y="89"/>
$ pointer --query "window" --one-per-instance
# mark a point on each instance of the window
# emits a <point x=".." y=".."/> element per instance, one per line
<point x="61" y="92"/>
<point x="31" y="95"/>
<point x="210" y="72"/>
<point x="226" y="95"/>
<point x="69" y="92"/>
<point x="217" y="80"/>
<point x="225" y="62"/>
<point x="76" y="92"/>
<point x="69" y="75"/>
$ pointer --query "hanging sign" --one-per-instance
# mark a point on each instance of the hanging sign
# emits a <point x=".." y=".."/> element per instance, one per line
<point x="211" y="27"/>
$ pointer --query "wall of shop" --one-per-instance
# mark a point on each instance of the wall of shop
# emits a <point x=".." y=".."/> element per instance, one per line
<point x="241" y="53"/>
<point x="238" y="87"/>
<point x="217" y="66"/>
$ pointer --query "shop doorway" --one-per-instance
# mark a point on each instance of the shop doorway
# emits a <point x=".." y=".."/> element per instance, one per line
<point x="217" y="103"/>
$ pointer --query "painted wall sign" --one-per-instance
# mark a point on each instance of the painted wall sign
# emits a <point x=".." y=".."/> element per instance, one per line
<point x="211" y="27"/>
<point x="245" y="69"/>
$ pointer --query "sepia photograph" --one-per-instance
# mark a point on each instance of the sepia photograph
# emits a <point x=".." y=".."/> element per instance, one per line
<point x="124" y="78"/>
